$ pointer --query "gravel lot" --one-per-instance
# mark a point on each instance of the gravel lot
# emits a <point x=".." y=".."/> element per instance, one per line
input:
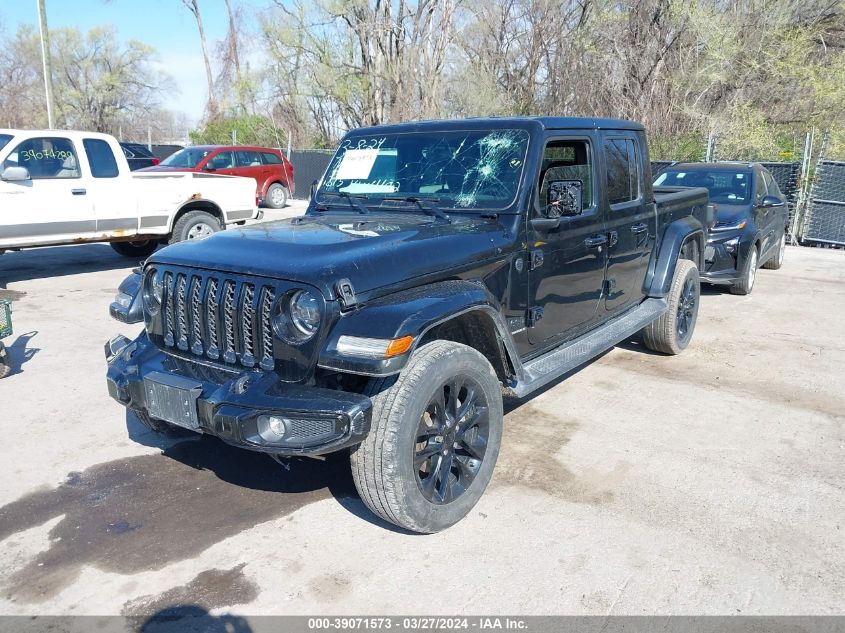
<point x="711" y="482"/>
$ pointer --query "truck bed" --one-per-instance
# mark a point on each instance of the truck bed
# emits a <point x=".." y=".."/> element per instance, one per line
<point x="675" y="202"/>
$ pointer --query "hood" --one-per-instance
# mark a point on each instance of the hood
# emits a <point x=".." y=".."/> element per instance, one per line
<point x="370" y="251"/>
<point x="732" y="213"/>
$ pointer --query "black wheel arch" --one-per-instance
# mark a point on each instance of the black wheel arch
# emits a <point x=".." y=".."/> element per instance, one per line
<point x="460" y="311"/>
<point x="685" y="238"/>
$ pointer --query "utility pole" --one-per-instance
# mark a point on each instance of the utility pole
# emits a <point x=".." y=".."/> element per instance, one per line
<point x="45" y="61"/>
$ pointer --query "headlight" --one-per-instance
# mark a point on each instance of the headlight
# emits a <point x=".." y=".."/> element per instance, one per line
<point x="729" y="226"/>
<point x="296" y="317"/>
<point x="305" y="312"/>
<point x="153" y="291"/>
<point x="731" y="245"/>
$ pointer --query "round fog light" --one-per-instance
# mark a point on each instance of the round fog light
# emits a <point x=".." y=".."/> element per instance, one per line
<point x="272" y="428"/>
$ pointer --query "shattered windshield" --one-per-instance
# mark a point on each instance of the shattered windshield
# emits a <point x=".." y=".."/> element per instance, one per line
<point x="459" y="170"/>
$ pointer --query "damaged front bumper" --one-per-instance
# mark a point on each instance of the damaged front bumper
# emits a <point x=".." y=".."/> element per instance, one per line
<point x="724" y="258"/>
<point x="249" y="409"/>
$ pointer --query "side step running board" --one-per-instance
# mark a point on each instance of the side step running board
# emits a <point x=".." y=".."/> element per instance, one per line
<point x="546" y="368"/>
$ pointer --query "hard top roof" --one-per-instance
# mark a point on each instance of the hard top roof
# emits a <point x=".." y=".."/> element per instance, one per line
<point x="545" y="122"/>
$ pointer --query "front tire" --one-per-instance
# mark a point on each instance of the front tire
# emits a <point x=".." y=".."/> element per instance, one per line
<point x="671" y="332"/>
<point x="434" y="441"/>
<point x="142" y="249"/>
<point x="745" y="284"/>
<point x="776" y="260"/>
<point x="195" y="225"/>
<point x="277" y="196"/>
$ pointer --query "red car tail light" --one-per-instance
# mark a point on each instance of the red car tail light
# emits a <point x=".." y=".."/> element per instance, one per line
<point x="156" y="161"/>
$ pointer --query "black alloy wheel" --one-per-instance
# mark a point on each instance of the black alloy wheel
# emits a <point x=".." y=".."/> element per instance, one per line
<point x="451" y="440"/>
<point x="687" y="308"/>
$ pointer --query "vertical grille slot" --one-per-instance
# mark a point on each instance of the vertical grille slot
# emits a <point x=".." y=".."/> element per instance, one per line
<point x="169" y="306"/>
<point x="196" y="316"/>
<point x="228" y="320"/>
<point x="267" y="298"/>
<point x="181" y="311"/>
<point x="212" y="301"/>
<point x="229" y="354"/>
<point x="247" y="314"/>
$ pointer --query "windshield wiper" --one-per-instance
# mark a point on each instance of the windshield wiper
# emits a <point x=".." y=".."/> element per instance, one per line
<point x="354" y="201"/>
<point x="430" y="209"/>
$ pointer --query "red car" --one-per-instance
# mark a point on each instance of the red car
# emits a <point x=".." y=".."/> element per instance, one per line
<point x="272" y="172"/>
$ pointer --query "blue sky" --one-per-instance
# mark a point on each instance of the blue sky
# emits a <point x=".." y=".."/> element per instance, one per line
<point x="165" y="24"/>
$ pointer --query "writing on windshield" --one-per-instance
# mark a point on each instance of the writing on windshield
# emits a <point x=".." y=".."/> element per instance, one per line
<point x="460" y="169"/>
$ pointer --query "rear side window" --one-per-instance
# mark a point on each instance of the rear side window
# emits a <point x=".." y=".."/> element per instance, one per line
<point x="4" y="139"/>
<point x="623" y="173"/>
<point x="100" y="157"/>
<point x="222" y="160"/>
<point x="247" y="159"/>
<point x="271" y="159"/>
<point x="45" y="157"/>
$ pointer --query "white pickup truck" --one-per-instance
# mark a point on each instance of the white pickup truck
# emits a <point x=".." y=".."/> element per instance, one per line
<point x="65" y="187"/>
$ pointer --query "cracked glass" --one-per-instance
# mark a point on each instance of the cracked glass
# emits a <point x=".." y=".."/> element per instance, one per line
<point x="458" y="170"/>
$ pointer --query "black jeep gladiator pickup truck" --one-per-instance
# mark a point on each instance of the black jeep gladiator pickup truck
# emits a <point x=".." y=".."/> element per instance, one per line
<point x="440" y="265"/>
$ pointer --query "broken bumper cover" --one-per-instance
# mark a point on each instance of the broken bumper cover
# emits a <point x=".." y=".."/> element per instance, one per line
<point x="724" y="258"/>
<point x="249" y="409"/>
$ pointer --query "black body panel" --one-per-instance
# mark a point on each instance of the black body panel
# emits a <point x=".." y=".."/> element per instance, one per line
<point x="532" y="287"/>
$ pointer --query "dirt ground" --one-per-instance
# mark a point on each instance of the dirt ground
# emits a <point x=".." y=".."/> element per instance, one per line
<point x="710" y="482"/>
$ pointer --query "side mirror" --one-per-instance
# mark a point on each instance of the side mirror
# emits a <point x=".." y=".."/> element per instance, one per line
<point x="771" y="201"/>
<point x="563" y="198"/>
<point x="209" y="167"/>
<point x="313" y="189"/>
<point x="15" y="174"/>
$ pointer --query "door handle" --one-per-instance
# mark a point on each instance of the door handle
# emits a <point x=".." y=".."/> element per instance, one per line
<point x="639" y="228"/>
<point x="78" y="192"/>
<point x="595" y="241"/>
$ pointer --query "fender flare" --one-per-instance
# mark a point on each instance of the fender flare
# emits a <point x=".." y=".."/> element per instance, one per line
<point x="412" y="312"/>
<point x="675" y="236"/>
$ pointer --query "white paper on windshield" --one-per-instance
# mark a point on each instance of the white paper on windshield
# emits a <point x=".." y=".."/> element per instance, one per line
<point x="356" y="163"/>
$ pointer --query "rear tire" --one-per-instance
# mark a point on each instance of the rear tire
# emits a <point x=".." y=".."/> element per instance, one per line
<point x="776" y="260"/>
<point x="671" y="332"/>
<point x="745" y="284"/>
<point x="430" y="455"/>
<point x="277" y="196"/>
<point x="195" y="225"/>
<point x="143" y="248"/>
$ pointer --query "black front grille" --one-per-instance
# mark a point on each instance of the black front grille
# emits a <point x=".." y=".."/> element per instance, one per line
<point x="218" y="317"/>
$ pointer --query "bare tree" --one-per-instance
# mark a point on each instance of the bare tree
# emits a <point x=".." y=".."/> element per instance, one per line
<point x="194" y="8"/>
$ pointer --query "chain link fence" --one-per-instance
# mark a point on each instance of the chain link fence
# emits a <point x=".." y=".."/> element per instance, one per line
<point x="308" y="166"/>
<point x="824" y="221"/>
